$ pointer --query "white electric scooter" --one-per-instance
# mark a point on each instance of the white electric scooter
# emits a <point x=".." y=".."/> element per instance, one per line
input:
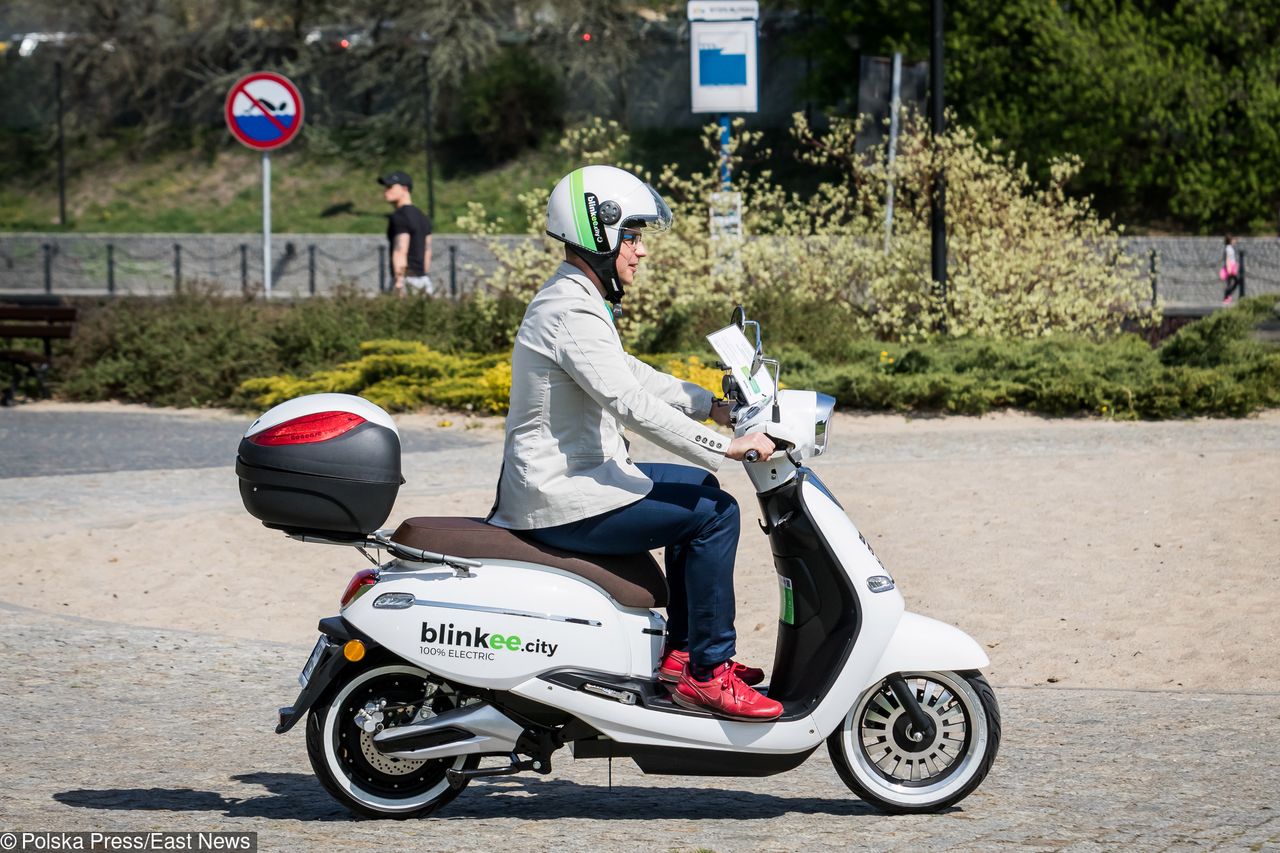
<point x="472" y="642"/>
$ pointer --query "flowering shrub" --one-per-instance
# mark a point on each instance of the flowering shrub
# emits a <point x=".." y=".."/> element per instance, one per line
<point x="398" y="376"/>
<point x="1025" y="260"/>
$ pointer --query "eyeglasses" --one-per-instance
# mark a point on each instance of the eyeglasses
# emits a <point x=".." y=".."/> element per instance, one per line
<point x="632" y="237"/>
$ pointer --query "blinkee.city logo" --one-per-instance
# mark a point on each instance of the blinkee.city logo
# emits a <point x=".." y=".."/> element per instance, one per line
<point x="478" y="644"/>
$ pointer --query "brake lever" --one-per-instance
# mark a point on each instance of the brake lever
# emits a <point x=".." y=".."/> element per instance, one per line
<point x="754" y="455"/>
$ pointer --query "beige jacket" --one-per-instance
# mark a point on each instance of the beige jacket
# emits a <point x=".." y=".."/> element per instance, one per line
<point x="572" y="390"/>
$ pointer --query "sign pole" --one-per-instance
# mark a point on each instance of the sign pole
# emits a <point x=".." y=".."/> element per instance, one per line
<point x="895" y="106"/>
<point x="724" y="151"/>
<point x="264" y="112"/>
<point x="938" y="214"/>
<point x="266" y="222"/>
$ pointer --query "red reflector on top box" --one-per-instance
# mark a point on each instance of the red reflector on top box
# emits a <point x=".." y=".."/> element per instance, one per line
<point x="308" y="429"/>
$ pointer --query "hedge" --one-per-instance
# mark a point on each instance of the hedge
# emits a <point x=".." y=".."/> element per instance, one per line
<point x="201" y="350"/>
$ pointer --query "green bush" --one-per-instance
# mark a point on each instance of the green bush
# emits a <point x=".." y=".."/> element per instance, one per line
<point x="197" y="347"/>
<point x="1213" y="367"/>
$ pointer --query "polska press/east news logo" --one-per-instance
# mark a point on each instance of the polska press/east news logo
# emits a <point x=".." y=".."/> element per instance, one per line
<point x="478" y="644"/>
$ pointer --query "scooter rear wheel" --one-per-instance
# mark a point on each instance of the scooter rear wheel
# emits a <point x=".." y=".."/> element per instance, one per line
<point x="357" y="775"/>
<point x="880" y="758"/>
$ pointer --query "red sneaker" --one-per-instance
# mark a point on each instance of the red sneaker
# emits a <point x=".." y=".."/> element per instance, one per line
<point x="725" y="695"/>
<point x="673" y="663"/>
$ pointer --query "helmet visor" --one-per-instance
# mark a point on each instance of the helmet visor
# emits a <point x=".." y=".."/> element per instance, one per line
<point x="651" y="222"/>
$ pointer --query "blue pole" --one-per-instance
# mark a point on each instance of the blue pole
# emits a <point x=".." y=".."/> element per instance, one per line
<point x="724" y="152"/>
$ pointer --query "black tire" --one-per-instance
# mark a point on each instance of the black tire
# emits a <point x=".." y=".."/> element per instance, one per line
<point x="873" y="752"/>
<point x="342" y="756"/>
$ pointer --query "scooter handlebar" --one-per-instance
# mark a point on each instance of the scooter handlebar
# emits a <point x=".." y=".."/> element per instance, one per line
<point x="754" y="455"/>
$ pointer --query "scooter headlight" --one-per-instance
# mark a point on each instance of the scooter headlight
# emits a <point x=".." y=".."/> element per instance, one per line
<point x="826" y="404"/>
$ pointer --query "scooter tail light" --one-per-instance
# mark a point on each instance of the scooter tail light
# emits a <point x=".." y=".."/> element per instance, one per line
<point x="308" y="429"/>
<point x="360" y="583"/>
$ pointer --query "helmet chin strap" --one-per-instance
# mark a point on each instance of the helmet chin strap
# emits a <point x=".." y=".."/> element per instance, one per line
<point x="606" y="269"/>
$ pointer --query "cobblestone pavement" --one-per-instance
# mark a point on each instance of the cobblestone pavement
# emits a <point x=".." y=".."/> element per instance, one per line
<point x="115" y="727"/>
<point x="119" y="727"/>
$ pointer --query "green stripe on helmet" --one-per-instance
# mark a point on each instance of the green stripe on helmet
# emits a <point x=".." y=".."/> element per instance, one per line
<point x="578" y="203"/>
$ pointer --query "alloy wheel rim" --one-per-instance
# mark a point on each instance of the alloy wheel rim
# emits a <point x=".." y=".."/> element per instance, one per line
<point x="885" y="736"/>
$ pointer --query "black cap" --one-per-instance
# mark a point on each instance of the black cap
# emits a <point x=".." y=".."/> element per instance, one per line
<point x="392" y="178"/>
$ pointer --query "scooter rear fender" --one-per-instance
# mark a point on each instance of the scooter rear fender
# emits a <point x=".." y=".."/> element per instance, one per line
<point x="336" y="631"/>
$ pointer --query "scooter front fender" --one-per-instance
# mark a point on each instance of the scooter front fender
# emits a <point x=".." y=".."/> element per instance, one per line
<point x="923" y="644"/>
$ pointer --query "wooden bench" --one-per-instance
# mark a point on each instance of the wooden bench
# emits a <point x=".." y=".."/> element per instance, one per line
<point x="32" y="320"/>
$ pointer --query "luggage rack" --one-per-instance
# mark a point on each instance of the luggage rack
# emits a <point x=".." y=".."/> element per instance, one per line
<point x="381" y="540"/>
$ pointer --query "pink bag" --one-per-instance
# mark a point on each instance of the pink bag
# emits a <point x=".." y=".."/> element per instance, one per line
<point x="1222" y="274"/>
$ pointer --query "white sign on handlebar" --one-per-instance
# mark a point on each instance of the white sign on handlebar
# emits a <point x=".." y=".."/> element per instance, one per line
<point x="736" y="351"/>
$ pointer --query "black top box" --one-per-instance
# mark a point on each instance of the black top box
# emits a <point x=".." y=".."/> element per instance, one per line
<point x="335" y="475"/>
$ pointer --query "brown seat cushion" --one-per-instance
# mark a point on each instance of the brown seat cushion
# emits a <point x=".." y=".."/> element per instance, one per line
<point x="633" y="580"/>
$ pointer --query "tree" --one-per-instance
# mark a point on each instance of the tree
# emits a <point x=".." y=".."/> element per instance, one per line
<point x="1173" y="106"/>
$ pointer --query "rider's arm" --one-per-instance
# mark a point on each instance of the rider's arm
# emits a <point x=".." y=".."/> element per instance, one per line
<point x="587" y="349"/>
<point x="694" y="400"/>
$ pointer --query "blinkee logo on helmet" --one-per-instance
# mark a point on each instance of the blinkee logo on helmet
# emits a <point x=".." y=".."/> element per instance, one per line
<point x="593" y="216"/>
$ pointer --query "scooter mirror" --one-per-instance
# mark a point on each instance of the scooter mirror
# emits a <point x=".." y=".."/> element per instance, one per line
<point x="729" y="386"/>
<point x="739" y="317"/>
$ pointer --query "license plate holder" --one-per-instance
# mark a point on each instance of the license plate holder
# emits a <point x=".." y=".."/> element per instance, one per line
<point x="313" y="661"/>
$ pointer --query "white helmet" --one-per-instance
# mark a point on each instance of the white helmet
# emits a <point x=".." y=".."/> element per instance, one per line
<point x="591" y="206"/>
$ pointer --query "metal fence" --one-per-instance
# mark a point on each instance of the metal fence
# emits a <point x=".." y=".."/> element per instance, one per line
<point x="1184" y="270"/>
<point x="1180" y="270"/>
<point x="152" y="264"/>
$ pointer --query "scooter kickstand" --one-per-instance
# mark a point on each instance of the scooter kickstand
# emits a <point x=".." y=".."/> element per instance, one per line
<point x="459" y="777"/>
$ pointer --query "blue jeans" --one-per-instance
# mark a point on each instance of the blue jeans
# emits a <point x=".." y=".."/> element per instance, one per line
<point x="696" y="521"/>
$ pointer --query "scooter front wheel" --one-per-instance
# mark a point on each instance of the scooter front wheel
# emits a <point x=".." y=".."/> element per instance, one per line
<point x="350" y="768"/>
<point x="887" y="764"/>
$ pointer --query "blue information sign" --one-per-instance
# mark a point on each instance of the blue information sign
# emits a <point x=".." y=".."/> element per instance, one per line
<point x="722" y="36"/>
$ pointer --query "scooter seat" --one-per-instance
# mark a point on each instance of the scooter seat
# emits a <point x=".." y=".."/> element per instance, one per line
<point x="633" y="580"/>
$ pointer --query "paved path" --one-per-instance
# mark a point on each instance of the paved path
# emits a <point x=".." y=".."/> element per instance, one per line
<point x="48" y="440"/>
<point x="119" y="727"/>
<point x="112" y="727"/>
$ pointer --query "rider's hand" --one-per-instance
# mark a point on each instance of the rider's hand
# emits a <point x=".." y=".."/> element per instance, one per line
<point x="720" y="411"/>
<point x="756" y="441"/>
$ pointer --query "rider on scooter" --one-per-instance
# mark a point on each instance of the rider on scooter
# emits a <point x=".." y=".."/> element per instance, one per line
<point x="567" y="479"/>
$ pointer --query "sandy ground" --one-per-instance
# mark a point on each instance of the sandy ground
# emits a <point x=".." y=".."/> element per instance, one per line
<point x="1080" y="553"/>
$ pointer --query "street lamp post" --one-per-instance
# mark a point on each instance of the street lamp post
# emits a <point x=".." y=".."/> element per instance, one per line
<point x="62" y="149"/>
<point x="426" y="100"/>
<point x="938" y="218"/>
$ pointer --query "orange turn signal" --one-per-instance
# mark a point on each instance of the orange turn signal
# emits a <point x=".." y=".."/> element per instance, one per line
<point x="353" y="650"/>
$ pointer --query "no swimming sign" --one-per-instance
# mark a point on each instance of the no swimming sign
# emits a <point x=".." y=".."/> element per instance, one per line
<point x="264" y="110"/>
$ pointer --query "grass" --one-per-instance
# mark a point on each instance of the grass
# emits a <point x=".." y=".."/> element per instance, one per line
<point x="214" y="186"/>
<point x="188" y="192"/>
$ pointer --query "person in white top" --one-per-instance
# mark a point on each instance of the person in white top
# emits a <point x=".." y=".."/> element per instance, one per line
<point x="567" y="478"/>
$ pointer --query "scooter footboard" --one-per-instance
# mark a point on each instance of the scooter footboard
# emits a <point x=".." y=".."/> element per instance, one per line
<point x="923" y="644"/>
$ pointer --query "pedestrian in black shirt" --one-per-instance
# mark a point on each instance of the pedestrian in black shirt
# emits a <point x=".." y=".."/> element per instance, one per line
<point x="409" y="233"/>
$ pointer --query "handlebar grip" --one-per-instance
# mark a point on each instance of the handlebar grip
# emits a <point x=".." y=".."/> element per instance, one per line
<point x="752" y="456"/>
